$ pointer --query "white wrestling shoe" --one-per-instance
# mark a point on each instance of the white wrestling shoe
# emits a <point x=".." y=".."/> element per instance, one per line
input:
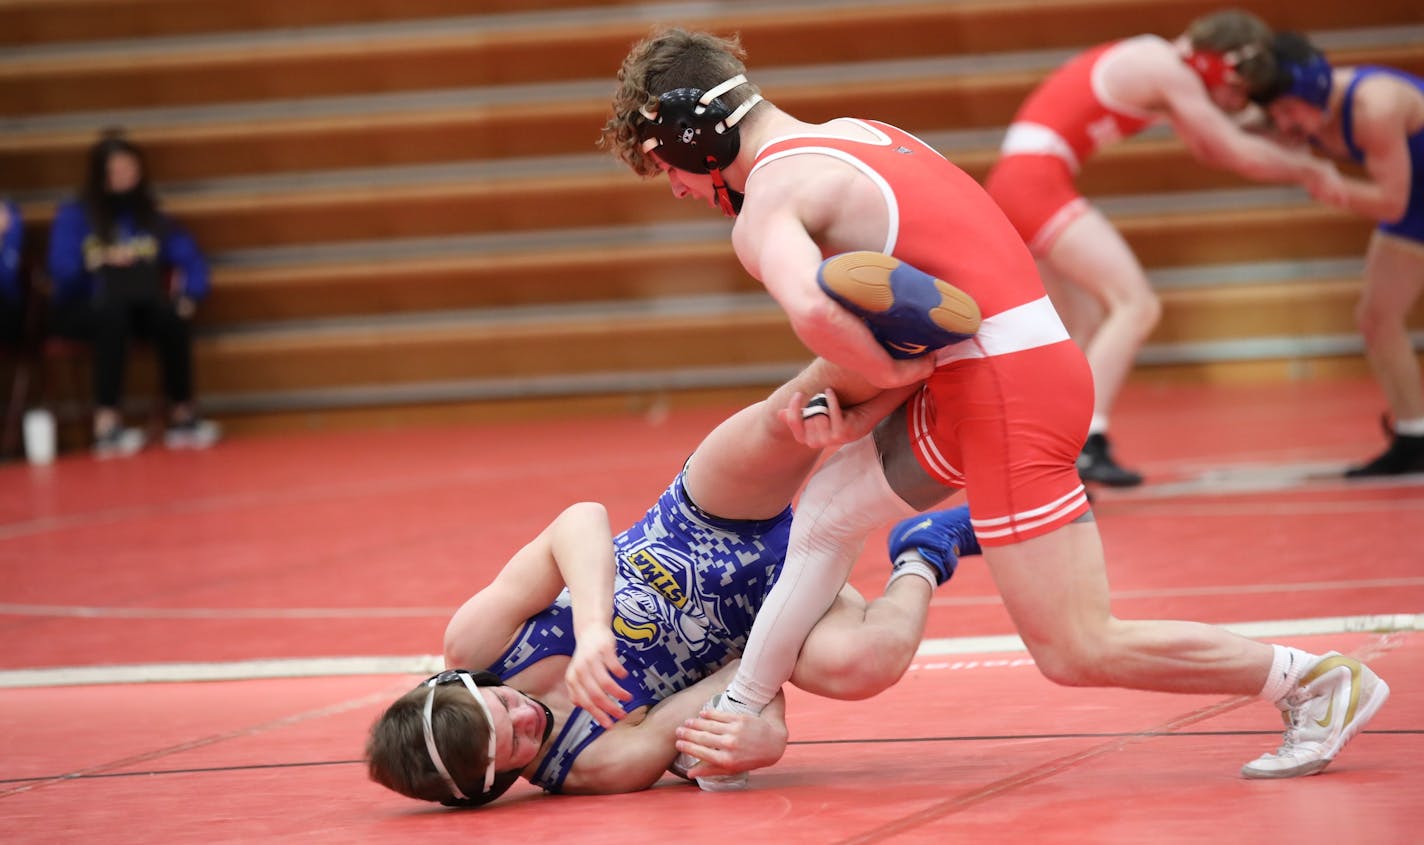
<point x="716" y="783"/>
<point x="1333" y="701"/>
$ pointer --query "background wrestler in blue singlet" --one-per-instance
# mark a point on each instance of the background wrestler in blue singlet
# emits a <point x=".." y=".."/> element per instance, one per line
<point x="1374" y="116"/>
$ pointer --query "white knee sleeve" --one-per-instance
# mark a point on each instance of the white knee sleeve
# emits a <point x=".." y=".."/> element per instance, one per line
<point x="846" y="499"/>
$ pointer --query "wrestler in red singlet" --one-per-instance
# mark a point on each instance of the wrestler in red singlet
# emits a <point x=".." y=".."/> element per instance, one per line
<point x="1006" y="412"/>
<point x="1066" y="119"/>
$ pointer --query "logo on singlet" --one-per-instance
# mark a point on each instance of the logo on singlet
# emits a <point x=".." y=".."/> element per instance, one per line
<point x="911" y="349"/>
<point x="1104" y="131"/>
<point x="636" y="633"/>
<point x="657" y="576"/>
<point x="904" y="151"/>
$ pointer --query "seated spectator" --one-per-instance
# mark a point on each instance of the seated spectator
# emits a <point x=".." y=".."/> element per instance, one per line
<point x="121" y="270"/>
<point x="11" y="286"/>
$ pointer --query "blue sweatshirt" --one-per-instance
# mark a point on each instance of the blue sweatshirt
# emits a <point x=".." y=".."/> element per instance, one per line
<point x="71" y="235"/>
<point x="10" y="244"/>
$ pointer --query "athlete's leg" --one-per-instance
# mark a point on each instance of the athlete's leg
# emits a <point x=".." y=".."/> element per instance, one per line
<point x="1091" y="255"/>
<point x="1080" y="311"/>
<point x="1394" y="280"/>
<point x="846" y="499"/>
<point x="750" y="466"/>
<point x="1055" y="588"/>
<point x="860" y="648"/>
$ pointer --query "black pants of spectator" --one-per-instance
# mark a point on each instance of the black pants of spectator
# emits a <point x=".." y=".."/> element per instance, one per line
<point x="11" y="318"/>
<point x="111" y="324"/>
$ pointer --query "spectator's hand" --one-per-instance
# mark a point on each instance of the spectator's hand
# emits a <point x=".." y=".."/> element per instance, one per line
<point x="120" y="255"/>
<point x="835" y="426"/>
<point x="185" y="307"/>
<point x="590" y="676"/>
<point x="727" y="743"/>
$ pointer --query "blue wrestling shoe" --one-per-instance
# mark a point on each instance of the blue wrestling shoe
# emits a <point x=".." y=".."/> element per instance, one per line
<point x="941" y="538"/>
<point x="909" y="311"/>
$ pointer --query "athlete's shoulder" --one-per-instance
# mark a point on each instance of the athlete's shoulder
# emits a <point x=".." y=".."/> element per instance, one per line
<point x="1144" y="53"/>
<point x="1383" y="89"/>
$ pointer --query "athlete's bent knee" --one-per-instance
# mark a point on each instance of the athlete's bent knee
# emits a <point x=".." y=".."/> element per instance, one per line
<point x="856" y="667"/>
<point x="1071" y="666"/>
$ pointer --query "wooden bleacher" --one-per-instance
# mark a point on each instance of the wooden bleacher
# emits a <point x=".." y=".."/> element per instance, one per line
<point x="407" y="214"/>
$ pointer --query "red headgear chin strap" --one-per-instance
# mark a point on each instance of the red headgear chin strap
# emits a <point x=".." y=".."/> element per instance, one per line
<point x="727" y="199"/>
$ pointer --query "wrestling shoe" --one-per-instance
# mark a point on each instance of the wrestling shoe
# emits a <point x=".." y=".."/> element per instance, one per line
<point x="941" y="538"/>
<point x="192" y="434"/>
<point x="119" y="442"/>
<point x="1333" y="701"/>
<point x="718" y="783"/>
<point x="1404" y="455"/>
<point x="909" y="311"/>
<point x="1095" y="463"/>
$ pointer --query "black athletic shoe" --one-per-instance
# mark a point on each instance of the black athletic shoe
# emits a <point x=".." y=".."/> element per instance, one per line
<point x="1404" y="455"/>
<point x="1096" y="464"/>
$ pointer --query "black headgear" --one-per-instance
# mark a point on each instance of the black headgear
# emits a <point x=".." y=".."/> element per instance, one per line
<point x="695" y="131"/>
<point x="495" y="783"/>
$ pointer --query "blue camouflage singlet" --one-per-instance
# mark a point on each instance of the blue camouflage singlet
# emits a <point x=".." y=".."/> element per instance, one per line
<point x="687" y="588"/>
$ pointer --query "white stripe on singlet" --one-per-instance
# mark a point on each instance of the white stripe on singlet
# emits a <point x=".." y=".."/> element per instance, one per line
<point x="988" y="529"/>
<point x="892" y="231"/>
<point x="1027" y="138"/>
<point x="1026" y="326"/>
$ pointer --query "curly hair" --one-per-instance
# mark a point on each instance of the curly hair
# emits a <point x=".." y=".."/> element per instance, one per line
<point x="668" y="59"/>
<point x="1242" y="32"/>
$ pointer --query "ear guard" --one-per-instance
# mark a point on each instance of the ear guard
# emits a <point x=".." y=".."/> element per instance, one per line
<point x="495" y="783"/>
<point x="693" y="130"/>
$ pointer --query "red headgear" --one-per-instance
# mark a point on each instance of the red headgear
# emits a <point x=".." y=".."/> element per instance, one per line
<point x="1213" y="68"/>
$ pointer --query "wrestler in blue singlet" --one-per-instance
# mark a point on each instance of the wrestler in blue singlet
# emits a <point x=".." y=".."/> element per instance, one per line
<point x="687" y="588"/>
<point x="1411" y="225"/>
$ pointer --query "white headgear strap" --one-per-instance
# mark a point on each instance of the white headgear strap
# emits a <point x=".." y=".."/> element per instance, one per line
<point x="430" y="735"/>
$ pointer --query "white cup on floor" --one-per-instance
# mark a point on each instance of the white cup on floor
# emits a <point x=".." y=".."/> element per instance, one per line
<point x="40" y="436"/>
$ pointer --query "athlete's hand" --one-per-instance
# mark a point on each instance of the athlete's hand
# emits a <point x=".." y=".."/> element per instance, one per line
<point x="888" y="373"/>
<point x="727" y="743"/>
<point x="591" y="674"/>
<point x="1327" y="185"/>
<point x="821" y="421"/>
<point x="816" y="421"/>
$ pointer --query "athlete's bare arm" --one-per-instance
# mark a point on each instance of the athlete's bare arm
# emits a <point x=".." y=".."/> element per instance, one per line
<point x="778" y="238"/>
<point x="576" y="550"/>
<point x="1163" y="82"/>
<point x="1385" y="114"/>
<point x="633" y="756"/>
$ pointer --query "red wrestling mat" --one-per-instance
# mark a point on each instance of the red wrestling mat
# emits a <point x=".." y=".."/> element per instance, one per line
<point x="987" y="752"/>
<point x="324" y="546"/>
